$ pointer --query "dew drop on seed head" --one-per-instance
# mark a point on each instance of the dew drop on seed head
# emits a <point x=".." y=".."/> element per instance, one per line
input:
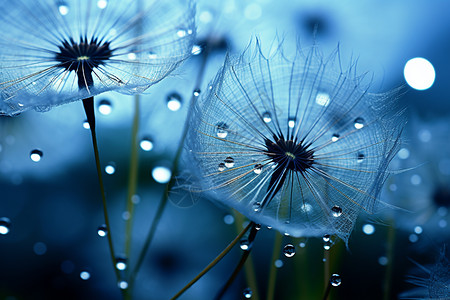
<point x="291" y="122"/>
<point x="110" y="168"/>
<point x="359" y="123"/>
<point x="289" y="250"/>
<point x="63" y="8"/>
<point x="102" y="230"/>
<point x="335" y="280"/>
<point x="102" y="4"/>
<point x="174" y="101"/>
<point x="121" y="263"/>
<point x="86" y="124"/>
<point x="123" y="285"/>
<point x="196" y="50"/>
<point x="327" y="245"/>
<point x="247" y="293"/>
<point x="257" y="208"/>
<point x="197" y="92"/>
<point x="152" y="55"/>
<point x="36" y="155"/>
<point x="267" y="117"/>
<point x="326" y="238"/>
<point x="335" y="137"/>
<point x="221" y="167"/>
<point x="323" y="99"/>
<point x="105" y="107"/>
<point x="336" y="211"/>
<point x="258" y="226"/>
<point x="245" y="244"/>
<point x="85" y="275"/>
<point x="5" y="225"/>
<point x="146" y="143"/>
<point x="360" y="158"/>
<point x="221" y="130"/>
<point x="258" y="169"/>
<point x="229" y="162"/>
<point x="181" y="33"/>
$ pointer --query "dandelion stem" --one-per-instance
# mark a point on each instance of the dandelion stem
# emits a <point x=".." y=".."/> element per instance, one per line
<point x="327" y="291"/>
<point x="390" y="259"/>
<point x="165" y="196"/>
<point x="215" y="261"/>
<point x="132" y="177"/>
<point x="273" y="268"/>
<point x="88" y="105"/>
<point x="326" y="266"/>
<point x="245" y="255"/>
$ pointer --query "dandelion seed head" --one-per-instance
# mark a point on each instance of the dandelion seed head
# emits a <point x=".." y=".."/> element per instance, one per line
<point x="296" y="144"/>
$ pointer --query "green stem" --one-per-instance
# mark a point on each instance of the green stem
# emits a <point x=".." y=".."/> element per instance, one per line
<point x="132" y="177"/>
<point x="326" y="267"/>
<point x="88" y="105"/>
<point x="214" y="262"/>
<point x="327" y="291"/>
<point x="390" y="257"/>
<point x="273" y="268"/>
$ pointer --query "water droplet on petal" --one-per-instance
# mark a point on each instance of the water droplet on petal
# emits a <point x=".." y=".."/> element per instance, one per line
<point x="36" y="155"/>
<point x="258" y="169"/>
<point x="146" y="144"/>
<point x="336" y="211"/>
<point x="335" y="280"/>
<point x="229" y="162"/>
<point x="121" y="263"/>
<point x="174" y="101"/>
<point x="267" y="117"/>
<point x="359" y="123"/>
<point x="247" y="293"/>
<point x="105" y="107"/>
<point x="5" y="225"/>
<point x="102" y="230"/>
<point x="335" y="137"/>
<point x="222" y="130"/>
<point x="85" y="275"/>
<point x="289" y="250"/>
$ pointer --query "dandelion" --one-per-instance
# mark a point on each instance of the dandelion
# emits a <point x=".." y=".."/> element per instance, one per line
<point x="289" y="143"/>
<point x="54" y="52"/>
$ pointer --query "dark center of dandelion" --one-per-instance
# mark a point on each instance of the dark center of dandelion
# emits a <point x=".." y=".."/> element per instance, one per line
<point x="83" y="58"/>
<point x="288" y="156"/>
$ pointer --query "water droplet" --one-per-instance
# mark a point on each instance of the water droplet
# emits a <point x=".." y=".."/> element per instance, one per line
<point x="161" y="174"/>
<point x="335" y="280"/>
<point x="197" y="92"/>
<point x="152" y="55"/>
<point x="196" y="50"/>
<point x="278" y="263"/>
<point x="258" y="226"/>
<point x="323" y="99"/>
<point x="222" y="130"/>
<point x="229" y="162"/>
<point x="123" y="285"/>
<point x="105" y="107"/>
<point x="335" y="137"/>
<point x="40" y="248"/>
<point x="245" y="244"/>
<point x="85" y="275"/>
<point x="269" y="227"/>
<point x="174" y="101"/>
<point x="121" y="263"/>
<point x="360" y="158"/>
<point x="63" y="8"/>
<point x="5" y="225"/>
<point x="289" y="250"/>
<point x="291" y="122"/>
<point x="257" y="208"/>
<point x="36" y="155"/>
<point x="181" y="33"/>
<point x="102" y="230"/>
<point x="102" y="4"/>
<point x="302" y="243"/>
<point x="146" y="144"/>
<point x="228" y="219"/>
<point x="327" y="245"/>
<point x="247" y="293"/>
<point x="221" y="167"/>
<point x="132" y="56"/>
<point x="418" y="229"/>
<point x="110" y="168"/>
<point x="326" y="238"/>
<point x="336" y="211"/>
<point x="359" y="123"/>
<point x="258" y="169"/>
<point x="86" y="125"/>
<point x="368" y="229"/>
<point x="267" y="117"/>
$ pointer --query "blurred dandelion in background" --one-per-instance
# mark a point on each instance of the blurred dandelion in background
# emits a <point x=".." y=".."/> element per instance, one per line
<point x="298" y="145"/>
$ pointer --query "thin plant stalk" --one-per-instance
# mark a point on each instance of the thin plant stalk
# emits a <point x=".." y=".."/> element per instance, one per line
<point x="390" y="258"/>
<point x="88" y="105"/>
<point x="327" y="291"/>
<point x="326" y="266"/>
<point x="214" y="262"/>
<point x="132" y="176"/>
<point x="273" y="269"/>
<point x="170" y="184"/>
